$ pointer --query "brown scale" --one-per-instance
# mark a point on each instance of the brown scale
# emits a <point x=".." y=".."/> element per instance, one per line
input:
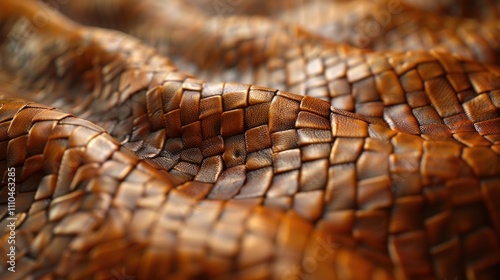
<point x="185" y="179"/>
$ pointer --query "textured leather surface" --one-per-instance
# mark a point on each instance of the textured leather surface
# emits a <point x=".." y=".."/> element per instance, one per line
<point x="274" y="153"/>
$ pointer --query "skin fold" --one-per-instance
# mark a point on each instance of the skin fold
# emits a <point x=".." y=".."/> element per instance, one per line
<point x="186" y="146"/>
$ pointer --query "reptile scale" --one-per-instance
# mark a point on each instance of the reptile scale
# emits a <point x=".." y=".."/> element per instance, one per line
<point x="250" y="140"/>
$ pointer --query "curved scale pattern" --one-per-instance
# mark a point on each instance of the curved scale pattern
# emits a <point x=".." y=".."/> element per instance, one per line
<point x="145" y="170"/>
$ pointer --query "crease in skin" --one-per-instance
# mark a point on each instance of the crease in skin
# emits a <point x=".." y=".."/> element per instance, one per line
<point x="261" y="182"/>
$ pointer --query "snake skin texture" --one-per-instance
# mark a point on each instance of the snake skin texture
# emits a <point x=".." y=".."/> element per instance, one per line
<point x="219" y="140"/>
